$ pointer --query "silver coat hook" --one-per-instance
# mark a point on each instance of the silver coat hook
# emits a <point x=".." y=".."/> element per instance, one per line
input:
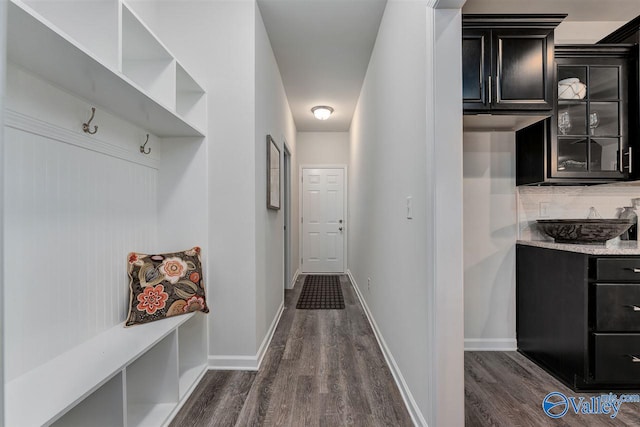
<point x="148" y="150"/>
<point x="86" y="126"/>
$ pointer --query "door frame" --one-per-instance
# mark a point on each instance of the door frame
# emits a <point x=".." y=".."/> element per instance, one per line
<point x="345" y="207"/>
<point x="286" y="204"/>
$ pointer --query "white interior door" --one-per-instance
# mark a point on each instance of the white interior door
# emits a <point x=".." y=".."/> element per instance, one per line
<point x="323" y="221"/>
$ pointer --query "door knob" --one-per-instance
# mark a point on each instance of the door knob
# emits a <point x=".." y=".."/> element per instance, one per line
<point x="340" y="228"/>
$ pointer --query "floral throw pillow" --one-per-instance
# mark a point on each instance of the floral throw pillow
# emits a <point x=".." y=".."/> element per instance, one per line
<point x="165" y="285"/>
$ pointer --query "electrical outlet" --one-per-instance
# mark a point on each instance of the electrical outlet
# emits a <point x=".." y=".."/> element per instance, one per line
<point x="543" y="209"/>
<point x="368" y="283"/>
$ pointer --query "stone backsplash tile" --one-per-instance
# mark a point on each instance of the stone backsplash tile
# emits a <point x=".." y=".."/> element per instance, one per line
<point x="567" y="202"/>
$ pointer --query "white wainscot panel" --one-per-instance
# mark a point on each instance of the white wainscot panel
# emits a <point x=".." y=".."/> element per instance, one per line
<point x="72" y="215"/>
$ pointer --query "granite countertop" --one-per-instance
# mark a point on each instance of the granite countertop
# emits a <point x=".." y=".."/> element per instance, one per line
<point x="612" y="247"/>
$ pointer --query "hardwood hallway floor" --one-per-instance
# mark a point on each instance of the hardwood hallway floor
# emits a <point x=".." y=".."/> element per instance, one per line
<point x="322" y="368"/>
<point x="505" y="389"/>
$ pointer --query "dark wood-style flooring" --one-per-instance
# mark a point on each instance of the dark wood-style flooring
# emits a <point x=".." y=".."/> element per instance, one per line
<point x="322" y="368"/>
<point x="507" y="389"/>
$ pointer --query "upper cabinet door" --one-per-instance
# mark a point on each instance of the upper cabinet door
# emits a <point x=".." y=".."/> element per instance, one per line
<point x="523" y="69"/>
<point x="476" y="68"/>
<point x="507" y="63"/>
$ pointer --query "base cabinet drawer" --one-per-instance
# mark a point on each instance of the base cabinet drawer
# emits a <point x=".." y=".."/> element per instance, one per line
<point x="617" y="307"/>
<point x="626" y="269"/>
<point x="617" y="358"/>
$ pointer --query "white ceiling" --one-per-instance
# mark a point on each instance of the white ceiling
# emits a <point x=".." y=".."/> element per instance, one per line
<point x="323" y="46"/>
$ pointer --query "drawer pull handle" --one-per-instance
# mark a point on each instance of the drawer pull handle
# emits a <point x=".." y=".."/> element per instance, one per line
<point x="636" y="270"/>
<point x="633" y="307"/>
<point x="634" y="359"/>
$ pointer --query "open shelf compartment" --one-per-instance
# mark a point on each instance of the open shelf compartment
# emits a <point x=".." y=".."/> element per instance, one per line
<point x="152" y="384"/>
<point x="192" y="352"/>
<point x="92" y="24"/>
<point x="103" y="407"/>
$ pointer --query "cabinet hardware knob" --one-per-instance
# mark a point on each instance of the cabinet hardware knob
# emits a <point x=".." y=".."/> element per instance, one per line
<point x="634" y="307"/>
<point x="636" y="270"/>
<point x="341" y="230"/>
<point x="634" y="359"/>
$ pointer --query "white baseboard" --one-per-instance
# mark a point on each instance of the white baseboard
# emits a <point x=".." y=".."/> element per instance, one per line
<point x="416" y="415"/>
<point x="490" y="344"/>
<point x="247" y="363"/>
<point x="294" y="280"/>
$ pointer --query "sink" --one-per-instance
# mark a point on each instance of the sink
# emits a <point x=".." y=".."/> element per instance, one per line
<point x="584" y="231"/>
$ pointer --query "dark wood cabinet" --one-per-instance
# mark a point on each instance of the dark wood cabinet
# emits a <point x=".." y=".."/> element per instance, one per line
<point x="630" y="34"/>
<point x="578" y="316"/>
<point x="587" y="139"/>
<point x="507" y="62"/>
<point x="476" y="68"/>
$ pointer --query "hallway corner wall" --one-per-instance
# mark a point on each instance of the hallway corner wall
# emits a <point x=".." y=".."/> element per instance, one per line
<point x="387" y="165"/>
<point x="3" y="56"/>
<point x="406" y="147"/>
<point x="273" y="117"/>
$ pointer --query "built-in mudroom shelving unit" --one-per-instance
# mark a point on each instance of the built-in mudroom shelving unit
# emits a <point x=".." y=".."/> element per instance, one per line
<point x="122" y="377"/>
<point x="75" y="204"/>
<point x="85" y="49"/>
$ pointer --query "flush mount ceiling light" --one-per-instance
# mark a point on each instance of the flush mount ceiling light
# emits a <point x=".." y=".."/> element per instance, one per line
<point x="322" y="112"/>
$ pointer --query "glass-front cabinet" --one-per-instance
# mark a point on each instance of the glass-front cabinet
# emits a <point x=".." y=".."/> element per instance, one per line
<point x="590" y="129"/>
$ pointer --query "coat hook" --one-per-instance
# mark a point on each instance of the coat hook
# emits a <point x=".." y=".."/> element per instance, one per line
<point x="86" y="126"/>
<point x="148" y="150"/>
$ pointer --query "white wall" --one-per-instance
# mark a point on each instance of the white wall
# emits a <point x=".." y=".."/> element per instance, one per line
<point x="383" y="244"/>
<point x="3" y="28"/>
<point x="323" y="148"/>
<point x="273" y="117"/>
<point x="224" y="45"/>
<point x="584" y="32"/>
<point x="401" y="146"/>
<point x="489" y="240"/>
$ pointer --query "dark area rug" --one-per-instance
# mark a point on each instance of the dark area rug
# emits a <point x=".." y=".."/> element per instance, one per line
<point x="321" y="293"/>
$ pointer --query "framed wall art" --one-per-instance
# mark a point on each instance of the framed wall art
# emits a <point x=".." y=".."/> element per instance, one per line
<point x="273" y="174"/>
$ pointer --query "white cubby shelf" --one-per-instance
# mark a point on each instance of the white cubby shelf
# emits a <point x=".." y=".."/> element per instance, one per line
<point x="100" y="51"/>
<point x="134" y="376"/>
